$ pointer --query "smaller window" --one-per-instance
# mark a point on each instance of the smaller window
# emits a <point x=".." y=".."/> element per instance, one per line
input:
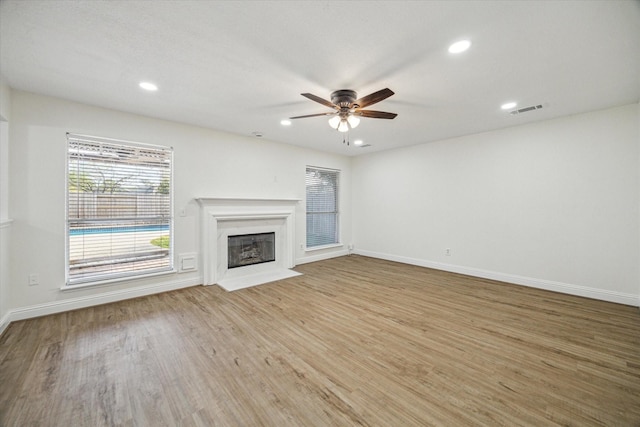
<point x="322" y="206"/>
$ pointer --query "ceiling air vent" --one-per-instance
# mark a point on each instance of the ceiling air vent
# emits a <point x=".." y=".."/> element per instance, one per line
<point x="526" y="109"/>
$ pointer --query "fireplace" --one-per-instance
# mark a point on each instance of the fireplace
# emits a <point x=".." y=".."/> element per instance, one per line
<point x="250" y="249"/>
<point x="230" y="256"/>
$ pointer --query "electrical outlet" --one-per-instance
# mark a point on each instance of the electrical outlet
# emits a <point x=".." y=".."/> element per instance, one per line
<point x="447" y="252"/>
<point x="33" y="279"/>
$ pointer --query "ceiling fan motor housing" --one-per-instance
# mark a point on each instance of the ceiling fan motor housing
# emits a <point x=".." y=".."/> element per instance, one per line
<point x="344" y="98"/>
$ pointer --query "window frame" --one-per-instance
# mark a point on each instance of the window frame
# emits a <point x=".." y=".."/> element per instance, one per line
<point x="337" y="232"/>
<point x="111" y="277"/>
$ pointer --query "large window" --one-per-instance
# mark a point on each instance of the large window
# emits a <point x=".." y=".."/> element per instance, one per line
<point x="119" y="204"/>
<point x="322" y="206"/>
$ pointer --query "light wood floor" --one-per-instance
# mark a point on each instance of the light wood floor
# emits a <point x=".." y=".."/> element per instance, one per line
<point x="354" y="341"/>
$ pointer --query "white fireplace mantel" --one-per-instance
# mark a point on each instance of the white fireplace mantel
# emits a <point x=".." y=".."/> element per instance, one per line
<point x="221" y="217"/>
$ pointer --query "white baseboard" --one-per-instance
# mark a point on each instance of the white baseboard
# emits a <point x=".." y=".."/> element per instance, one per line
<point x="565" y="288"/>
<point x="4" y="322"/>
<point x="320" y="257"/>
<point x="53" y="307"/>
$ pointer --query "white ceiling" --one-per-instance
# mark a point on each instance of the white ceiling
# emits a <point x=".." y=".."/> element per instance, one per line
<point x="240" y="66"/>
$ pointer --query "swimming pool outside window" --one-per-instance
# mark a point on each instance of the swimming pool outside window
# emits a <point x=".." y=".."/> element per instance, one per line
<point x="119" y="209"/>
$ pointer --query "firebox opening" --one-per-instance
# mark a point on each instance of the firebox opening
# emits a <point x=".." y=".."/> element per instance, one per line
<point x="249" y="249"/>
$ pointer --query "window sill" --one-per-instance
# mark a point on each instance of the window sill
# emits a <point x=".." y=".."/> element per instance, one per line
<point x="115" y="280"/>
<point x="319" y="248"/>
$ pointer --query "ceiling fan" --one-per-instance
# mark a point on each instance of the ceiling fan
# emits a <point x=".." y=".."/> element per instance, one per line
<point x="348" y="108"/>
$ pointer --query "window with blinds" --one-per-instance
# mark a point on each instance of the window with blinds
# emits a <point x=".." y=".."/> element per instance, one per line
<point x="119" y="209"/>
<point x="322" y="206"/>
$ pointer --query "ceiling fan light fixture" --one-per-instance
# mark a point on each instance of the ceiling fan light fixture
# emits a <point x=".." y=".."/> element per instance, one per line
<point x="334" y="122"/>
<point x="353" y="121"/>
<point x="343" y="126"/>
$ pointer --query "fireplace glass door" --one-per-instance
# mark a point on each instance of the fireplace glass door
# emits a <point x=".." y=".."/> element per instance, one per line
<point x="249" y="249"/>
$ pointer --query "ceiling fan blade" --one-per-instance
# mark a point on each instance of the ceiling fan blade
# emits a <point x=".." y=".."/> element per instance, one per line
<point x="313" y="115"/>
<point x="319" y="100"/>
<point x="374" y="114"/>
<point x="374" y="97"/>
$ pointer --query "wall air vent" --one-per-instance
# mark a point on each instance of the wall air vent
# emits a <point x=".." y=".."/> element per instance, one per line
<point x="526" y="109"/>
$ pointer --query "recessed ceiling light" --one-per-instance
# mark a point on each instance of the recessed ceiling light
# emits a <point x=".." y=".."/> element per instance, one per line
<point x="358" y="142"/>
<point x="285" y="122"/>
<point x="508" y="105"/>
<point x="148" y="86"/>
<point x="459" y="46"/>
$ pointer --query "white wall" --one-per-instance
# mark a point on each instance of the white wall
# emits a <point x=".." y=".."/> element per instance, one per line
<point x="5" y="114"/>
<point x="553" y="204"/>
<point x="207" y="164"/>
<point x="5" y="221"/>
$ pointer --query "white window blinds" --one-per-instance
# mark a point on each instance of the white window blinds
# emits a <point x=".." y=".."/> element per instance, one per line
<point x="322" y="206"/>
<point x="119" y="204"/>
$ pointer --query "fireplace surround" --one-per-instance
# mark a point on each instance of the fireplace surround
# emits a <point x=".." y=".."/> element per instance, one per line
<point x="222" y="218"/>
